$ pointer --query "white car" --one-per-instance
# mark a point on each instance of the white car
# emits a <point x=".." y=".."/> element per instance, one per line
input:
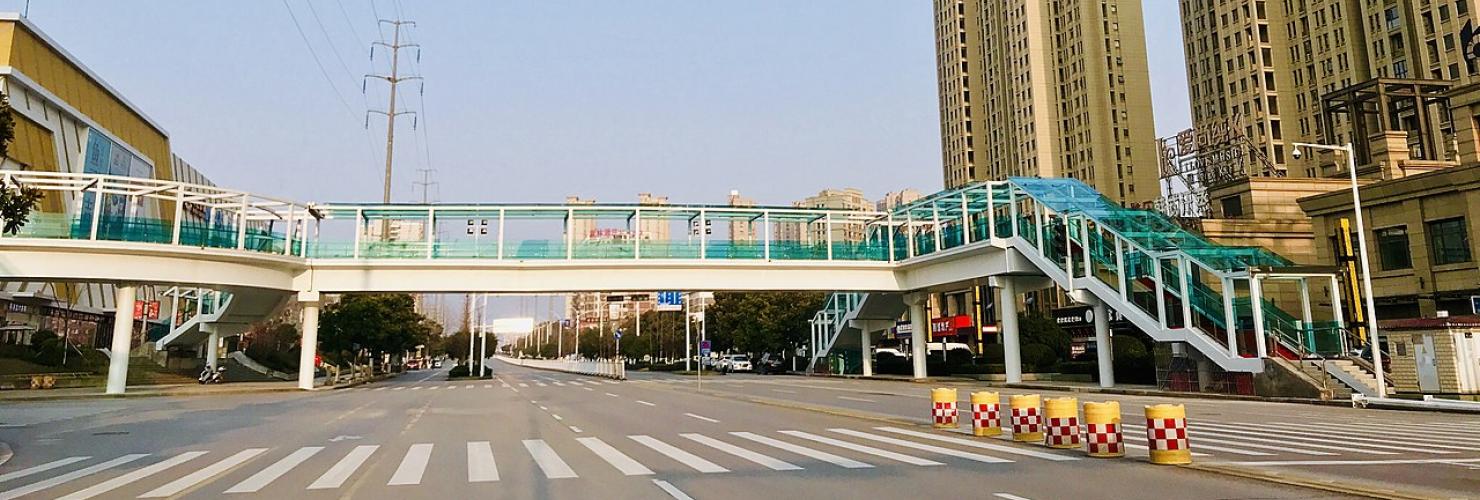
<point x="735" y="363"/>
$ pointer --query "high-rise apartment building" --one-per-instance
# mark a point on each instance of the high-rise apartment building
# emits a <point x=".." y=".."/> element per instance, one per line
<point x="837" y="199"/>
<point x="1047" y="88"/>
<point x="1268" y="66"/>
<point x="894" y="199"/>
<point x="742" y="230"/>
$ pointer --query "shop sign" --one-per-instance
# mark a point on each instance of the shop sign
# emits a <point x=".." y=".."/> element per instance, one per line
<point x="17" y="308"/>
<point x="949" y="325"/>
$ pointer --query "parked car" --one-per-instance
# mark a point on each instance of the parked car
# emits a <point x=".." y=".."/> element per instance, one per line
<point x="735" y="363"/>
<point x="437" y="364"/>
<point x="769" y="363"/>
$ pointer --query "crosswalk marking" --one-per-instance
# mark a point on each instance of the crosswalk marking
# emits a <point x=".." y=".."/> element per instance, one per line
<point x="1404" y="437"/>
<point x="689" y="459"/>
<point x="40" y="468"/>
<point x="625" y="464"/>
<point x="379" y="388"/>
<point x="541" y="384"/>
<point x="487" y="386"/>
<point x="204" y="474"/>
<point x="701" y="417"/>
<point x="641" y="402"/>
<point x="1197" y="444"/>
<point x="481" y="466"/>
<point x="342" y="470"/>
<point x="417" y="388"/>
<point x="612" y="395"/>
<point x="611" y="381"/>
<point x="70" y="476"/>
<point x="115" y="483"/>
<point x="1209" y="432"/>
<point x="589" y="389"/>
<point x="559" y="384"/>
<point x="413" y="465"/>
<point x="1203" y="438"/>
<point x="772" y="463"/>
<point x="978" y="444"/>
<point x="909" y="459"/>
<point x="1264" y="430"/>
<point x="923" y="447"/>
<point x="547" y="460"/>
<point x="397" y="388"/>
<point x="274" y="471"/>
<point x="847" y="463"/>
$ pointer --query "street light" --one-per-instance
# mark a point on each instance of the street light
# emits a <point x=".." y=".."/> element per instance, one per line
<point x="1351" y="168"/>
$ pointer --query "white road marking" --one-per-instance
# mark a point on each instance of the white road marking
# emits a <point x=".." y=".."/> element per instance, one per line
<point x="549" y="462"/>
<point x="342" y="470"/>
<point x="413" y="465"/>
<point x="559" y="384"/>
<point x="487" y="386"/>
<point x="575" y="429"/>
<point x="625" y="464"/>
<point x="772" y="463"/>
<point x="861" y="400"/>
<point x="471" y="386"/>
<point x="912" y="460"/>
<point x="70" y="476"/>
<point x="924" y="447"/>
<point x="701" y="417"/>
<point x="541" y="384"/>
<point x="397" y="388"/>
<point x="1008" y="496"/>
<point x="481" y="466"/>
<point x="379" y="388"/>
<point x="689" y="459"/>
<point x="542" y="407"/>
<point x="417" y="388"/>
<point x="1297" y="435"/>
<point x="1201" y="437"/>
<point x="1197" y="444"/>
<point x="611" y="381"/>
<point x="200" y="476"/>
<point x="645" y="403"/>
<point x="671" y="490"/>
<point x="803" y="451"/>
<point x="1406" y="436"/>
<point x="41" y="468"/>
<point x="557" y="417"/>
<point x="612" y="395"/>
<point x="978" y="444"/>
<point x="1202" y="432"/>
<point x="272" y="472"/>
<point x="522" y="384"/>
<point x="115" y="483"/>
<point x="783" y="391"/>
<point x="589" y="389"/>
<point x="1361" y="462"/>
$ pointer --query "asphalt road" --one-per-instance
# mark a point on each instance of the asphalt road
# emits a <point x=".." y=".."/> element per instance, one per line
<point x="535" y="434"/>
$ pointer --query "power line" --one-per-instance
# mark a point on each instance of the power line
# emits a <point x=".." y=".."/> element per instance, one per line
<point x="333" y="47"/>
<point x="316" y="60"/>
<point x="345" y="15"/>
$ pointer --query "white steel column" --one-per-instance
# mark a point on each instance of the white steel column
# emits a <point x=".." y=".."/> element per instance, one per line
<point x="1104" y="351"/>
<point x="288" y="233"/>
<point x="1161" y="289"/>
<point x="570" y="233"/>
<point x="965" y="220"/>
<point x="919" y="325"/>
<point x="123" y="332"/>
<point x="241" y="225"/>
<point x="359" y="228"/>
<point x="637" y="234"/>
<point x="1305" y="325"/>
<point x="309" y="345"/>
<point x="1256" y="300"/>
<point x="1230" y="320"/>
<point x="703" y="235"/>
<point x="501" y="234"/>
<point x="1012" y="355"/>
<point x="889" y="233"/>
<point x="431" y="231"/>
<point x="213" y="344"/>
<point x="179" y="214"/>
<point x="97" y="206"/>
<point x="935" y="224"/>
<point x="1038" y="217"/>
<point x="1184" y="278"/>
<point x="766" y="217"/>
<point x="867" y="353"/>
<point x="688" y="341"/>
<point x="991" y="212"/>
<point x="482" y="352"/>
<point x="1122" y="277"/>
<point x="829" y="225"/>
<point x="1012" y="210"/>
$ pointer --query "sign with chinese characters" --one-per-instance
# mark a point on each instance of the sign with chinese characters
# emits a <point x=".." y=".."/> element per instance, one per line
<point x="949" y="325"/>
<point x="669" y="301"/>
<point x="1198" y="158"/>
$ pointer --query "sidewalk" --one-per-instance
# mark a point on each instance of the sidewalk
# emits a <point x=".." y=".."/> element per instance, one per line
<point x="146" y="391"/>
<point x="1090" y="388"/>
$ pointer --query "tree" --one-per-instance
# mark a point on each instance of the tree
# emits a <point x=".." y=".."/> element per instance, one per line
<point x="758" y="322"/>
<point x="16" y="202"/>
<point x="373" y="323"/>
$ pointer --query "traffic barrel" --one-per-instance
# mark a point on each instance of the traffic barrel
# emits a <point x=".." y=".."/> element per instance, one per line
<point x="1166" y="434"/>
<point x="1027" y="422"/>
<point x="1102" y="437"/>
<point x="1062" y="430"/>
<point x="943" y="407"/>
<point x="985" y="420"/>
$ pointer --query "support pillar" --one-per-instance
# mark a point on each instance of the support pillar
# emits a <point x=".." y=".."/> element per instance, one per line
<point x="867" y="352"/>
<point x="1012" y="354"/>
<point x="1104" y="351"/>
<point x="213" y="344"/>
<point x="919" y="326"/>
<point x="309" y="348"/>
<point x="123" y="332"/>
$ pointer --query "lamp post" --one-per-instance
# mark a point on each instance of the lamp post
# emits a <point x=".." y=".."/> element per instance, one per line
<point x="1351" y="168"/>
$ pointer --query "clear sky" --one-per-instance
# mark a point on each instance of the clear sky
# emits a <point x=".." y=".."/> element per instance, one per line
<point x="531" y="101"/>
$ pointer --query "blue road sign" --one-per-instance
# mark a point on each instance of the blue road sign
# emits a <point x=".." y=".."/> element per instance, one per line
<point x="618" y="334"/>
<point x="704" y="348"/>
<point x="670" y="301"/>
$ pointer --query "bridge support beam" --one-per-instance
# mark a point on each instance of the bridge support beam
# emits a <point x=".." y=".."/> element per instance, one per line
<point x="1104" y="351"/>
<point x="919" y="325"/>
<point x="1012" y="353"/>
<point x="310" y="343"/>
<point x="866" y="351"/>
<point x="213" y="344"/>
<point x="123" y="333"/>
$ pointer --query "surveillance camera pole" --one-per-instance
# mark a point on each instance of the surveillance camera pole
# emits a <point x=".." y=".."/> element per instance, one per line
<point x="1376" y="346"/>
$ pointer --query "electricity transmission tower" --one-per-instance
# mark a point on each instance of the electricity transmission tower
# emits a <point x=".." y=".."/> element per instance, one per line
<point x="394" y="79"/>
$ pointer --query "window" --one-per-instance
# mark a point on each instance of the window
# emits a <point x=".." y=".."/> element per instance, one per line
<point x="1392" y="248"/>
<point x="1448" y="241"/>
<point x="1232" y="207"/>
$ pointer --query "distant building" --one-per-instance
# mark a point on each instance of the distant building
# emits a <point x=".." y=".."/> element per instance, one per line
<point x="404" y="230"/>
<point x="895" y="199"/>
<point x="836" y="199"/>
<point x="742" y="231"/>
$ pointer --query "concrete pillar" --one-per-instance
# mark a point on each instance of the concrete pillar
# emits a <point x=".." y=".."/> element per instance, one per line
<point x="1012" y="353"/>
<point x="919" y="326"/>
<point x="1104" y="352"/>
<point x="867" y="352"/>
<point x="212" y="345"/>
<point x="123" y="332"/>
<point x="310" y="343"/>
<point x="1204" y="374"/>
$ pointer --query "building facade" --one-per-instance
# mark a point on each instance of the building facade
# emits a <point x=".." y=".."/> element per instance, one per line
<point x="837" y="199"/>
<point x="1046" y="88"/>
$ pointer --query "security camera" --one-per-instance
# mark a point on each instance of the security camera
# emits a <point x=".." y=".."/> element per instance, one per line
<point x="1295" y="153"/>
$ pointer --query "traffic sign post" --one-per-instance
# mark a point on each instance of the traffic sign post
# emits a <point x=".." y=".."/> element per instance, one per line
<point x="703" y="354"/>
<point x="618" y="335"/>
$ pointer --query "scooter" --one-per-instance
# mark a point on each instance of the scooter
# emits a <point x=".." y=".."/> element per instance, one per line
<point x="209" y="376"/>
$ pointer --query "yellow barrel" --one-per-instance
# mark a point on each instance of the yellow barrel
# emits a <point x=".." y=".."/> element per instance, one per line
<point x="1102" y="433"/>
<point x="1027" y="421"/>
<point x="1062" y="427"/>
<point x="1166" y="434"/>
<point x="943" y="407"/>
<point x="985" y="413"/>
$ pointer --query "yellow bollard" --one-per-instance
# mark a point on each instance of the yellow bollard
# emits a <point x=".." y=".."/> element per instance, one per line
<point x="1027" y="422"/>
<point x="1062" y="430"/>
<point x="984" y="414"/>
<point x="1102" y="437"/>
<point x="1166" y="434"/>
<point x="943" y="407"/>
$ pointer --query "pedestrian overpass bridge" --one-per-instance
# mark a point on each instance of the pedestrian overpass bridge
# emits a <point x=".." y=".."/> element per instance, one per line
<point x="1018" y="235"/>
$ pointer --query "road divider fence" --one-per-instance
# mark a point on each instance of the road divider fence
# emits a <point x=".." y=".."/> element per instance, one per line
<point x="605" y="368"/>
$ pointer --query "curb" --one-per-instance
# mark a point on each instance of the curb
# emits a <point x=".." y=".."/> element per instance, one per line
<point x="5" y="453"/>
<point x="64" y="397"/>
<point x="1307" y="483"/>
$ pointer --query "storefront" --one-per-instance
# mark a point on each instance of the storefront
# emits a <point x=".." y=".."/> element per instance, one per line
<point x="1079" y="323"/>
<point x="18" y="324"/>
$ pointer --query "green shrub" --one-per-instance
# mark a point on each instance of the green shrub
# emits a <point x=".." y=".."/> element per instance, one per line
<point x="992" y="353"/>
<point x="1133" y="363"/>
<point x="458" y="371"/>
<point x="1039" y="357"/>
<point x="1079" y="367"/>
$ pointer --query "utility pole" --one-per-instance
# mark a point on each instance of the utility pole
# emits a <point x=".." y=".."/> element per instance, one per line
<point x="394" y="79"/>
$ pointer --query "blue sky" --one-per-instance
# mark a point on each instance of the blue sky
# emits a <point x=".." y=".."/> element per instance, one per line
<point x="531" y="101"/>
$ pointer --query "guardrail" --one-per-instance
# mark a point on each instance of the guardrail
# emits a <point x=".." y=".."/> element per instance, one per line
<point x="606" y="368"/>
